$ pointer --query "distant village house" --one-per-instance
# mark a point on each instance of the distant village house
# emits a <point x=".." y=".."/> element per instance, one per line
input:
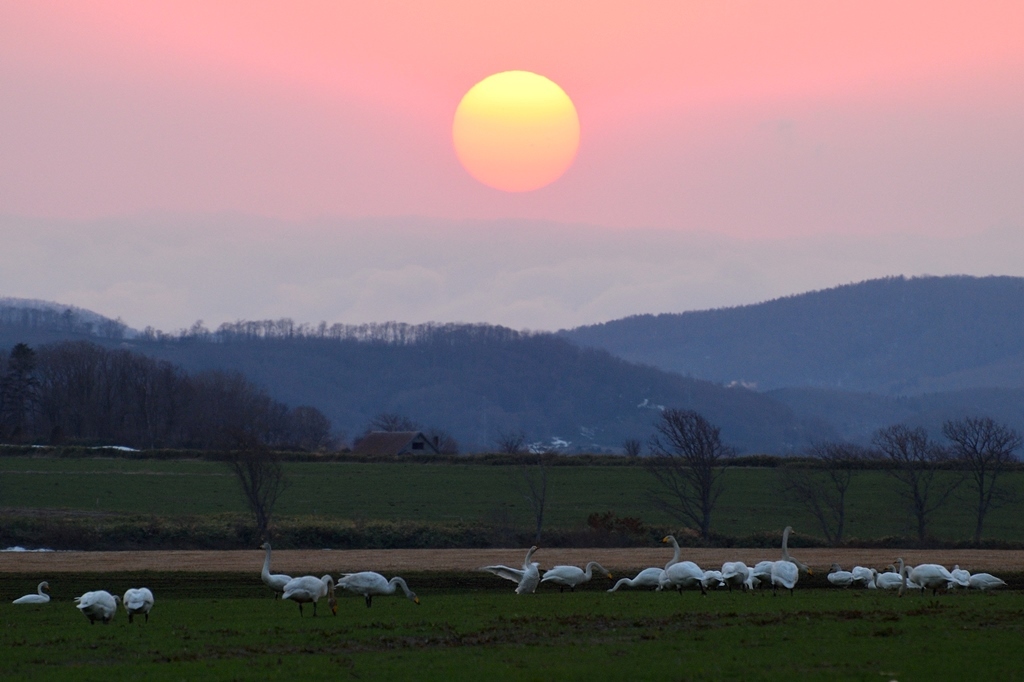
<point x="394" y="443"/>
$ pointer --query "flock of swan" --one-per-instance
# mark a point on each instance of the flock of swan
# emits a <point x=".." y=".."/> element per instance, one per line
<point x="676" y="575"/>
<point x="309" y="589"/>
<point x="100" y="605"/>
<point x="784" y="573"/>
<point x="923" y="577"/>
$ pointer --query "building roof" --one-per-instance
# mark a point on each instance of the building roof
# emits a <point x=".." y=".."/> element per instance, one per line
<point x="391" y="443"/>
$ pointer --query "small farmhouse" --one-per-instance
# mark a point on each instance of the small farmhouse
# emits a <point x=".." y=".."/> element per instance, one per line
<point x="393" y="443"/>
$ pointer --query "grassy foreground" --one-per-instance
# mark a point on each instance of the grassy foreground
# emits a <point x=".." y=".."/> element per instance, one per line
<point x="207" y="629"/>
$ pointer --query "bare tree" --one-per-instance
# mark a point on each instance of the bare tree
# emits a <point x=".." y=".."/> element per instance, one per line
<point x="821" y="486"/>
<point x="986" y="449"/>
<point x="687" y="461"/>
<point x="261" y="476"/>
<point x="510" y="442"/>
<point x="915" y="461"/>
<point x="632" y="447"/>
<point x="392" y="421"/>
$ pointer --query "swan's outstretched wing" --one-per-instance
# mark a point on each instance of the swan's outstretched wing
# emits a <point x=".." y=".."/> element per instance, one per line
<point x="513" y="574"/>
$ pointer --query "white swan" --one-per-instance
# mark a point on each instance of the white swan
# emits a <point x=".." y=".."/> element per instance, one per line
<point x="571" y="576"/>
<point x="681" y="574"/>
<point x="649" y="577"/>
<point x="275" y="581"/>
<point x="368" y="584"/>
<point x="890" y="580"/>
<point x="713" y="578"/>
<point x="308" y="589"/>
<point x="527" y="578"/>
<point x="961" y="578"/>
<point x="985" y="581"/>
<point x="761" y="573"/>
<point x="735" y="574"/>
<point x="925" y="576"/>
<point x="40" y="597"/>
<point x="840" y="578"/>
<point x="786" y="572"/>
<point x="138" y="601"/>
<point x="863" y="576"/>
<point x="675" y="547"/>
<point x="98" y="605"/>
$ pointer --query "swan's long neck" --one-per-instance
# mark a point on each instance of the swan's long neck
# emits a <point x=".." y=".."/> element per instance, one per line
<point x="675" y="553"/>
<point x="785" y="544"/>
<point x="529" y="556"/>
<point x="903" y="576"/>
<point x="266" y="563"/>
<point x="401" y="583"/>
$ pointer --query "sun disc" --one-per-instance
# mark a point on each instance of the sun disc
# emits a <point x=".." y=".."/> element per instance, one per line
<point x="516" y="131"/>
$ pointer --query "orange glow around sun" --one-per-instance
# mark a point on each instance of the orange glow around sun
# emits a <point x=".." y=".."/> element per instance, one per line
<point x="516" y="131"/>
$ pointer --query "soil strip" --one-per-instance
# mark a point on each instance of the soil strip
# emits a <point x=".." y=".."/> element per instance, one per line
<point x="617" y="560"/>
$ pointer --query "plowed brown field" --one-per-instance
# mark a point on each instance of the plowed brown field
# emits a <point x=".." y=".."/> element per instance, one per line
<point x="397" y="560"/>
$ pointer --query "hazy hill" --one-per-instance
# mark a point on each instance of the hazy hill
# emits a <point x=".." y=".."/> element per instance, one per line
<point x="474" y="381"/>
<point x="477" y="382"/>
<point x="890" y="336"/>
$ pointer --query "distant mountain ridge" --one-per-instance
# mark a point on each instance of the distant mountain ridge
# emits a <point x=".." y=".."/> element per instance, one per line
<point x="474" y="381"/>
<point x="895" y="336"/>
<point x="833" y="364"/>
<point x="47" y="317"/>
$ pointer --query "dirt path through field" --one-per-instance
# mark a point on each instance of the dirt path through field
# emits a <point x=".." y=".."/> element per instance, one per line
<point x="406" y="560"/>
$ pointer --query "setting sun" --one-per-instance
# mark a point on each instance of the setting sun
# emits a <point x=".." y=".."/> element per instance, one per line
<point x="516" y="131"/>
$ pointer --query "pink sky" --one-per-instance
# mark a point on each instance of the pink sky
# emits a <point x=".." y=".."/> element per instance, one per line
<point x="739" y="120"/>
<point x="744" y="118"/>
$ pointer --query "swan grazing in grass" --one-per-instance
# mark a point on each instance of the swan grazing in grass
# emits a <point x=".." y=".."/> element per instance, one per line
<point x="275" y="581"/>
<point x="649" y="577"/>
<point x="889" y="580"/>
<point x="526" y="578"/>
<point x="713" y="578"/>
<point x="681" y="574"/>
<point x="735" y="574"/>
<point x="786" y="572"/>
<point x="138" y="601"/>
<point x="98" y="605"/>
<point x="308" y="589"/>
<point x="40" y="597"/>
<point x="985" y="581"/>
<point x="571" y="576"/>
<point x="863" y="576"/>
<point x="840" y="578"/>
<point x="925" y="576"/>
<point x="369" y="584"/>
<point x="961" y="578"/>
<point x="761" y="573"/>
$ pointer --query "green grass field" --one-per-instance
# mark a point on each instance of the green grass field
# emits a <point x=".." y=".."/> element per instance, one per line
<point x="752" y="503"/>
<point x="206" y="627"/>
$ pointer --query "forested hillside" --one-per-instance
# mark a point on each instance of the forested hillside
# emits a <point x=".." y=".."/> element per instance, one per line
<point x="891" y="336"/>
<point x="478" y="381"/>
<point x="475" y="382"/>
<point x="79" y="392"/>
<point x="839" y="363"/>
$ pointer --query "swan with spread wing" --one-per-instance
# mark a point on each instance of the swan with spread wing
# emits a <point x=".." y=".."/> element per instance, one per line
<point x="526" y="578"/>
